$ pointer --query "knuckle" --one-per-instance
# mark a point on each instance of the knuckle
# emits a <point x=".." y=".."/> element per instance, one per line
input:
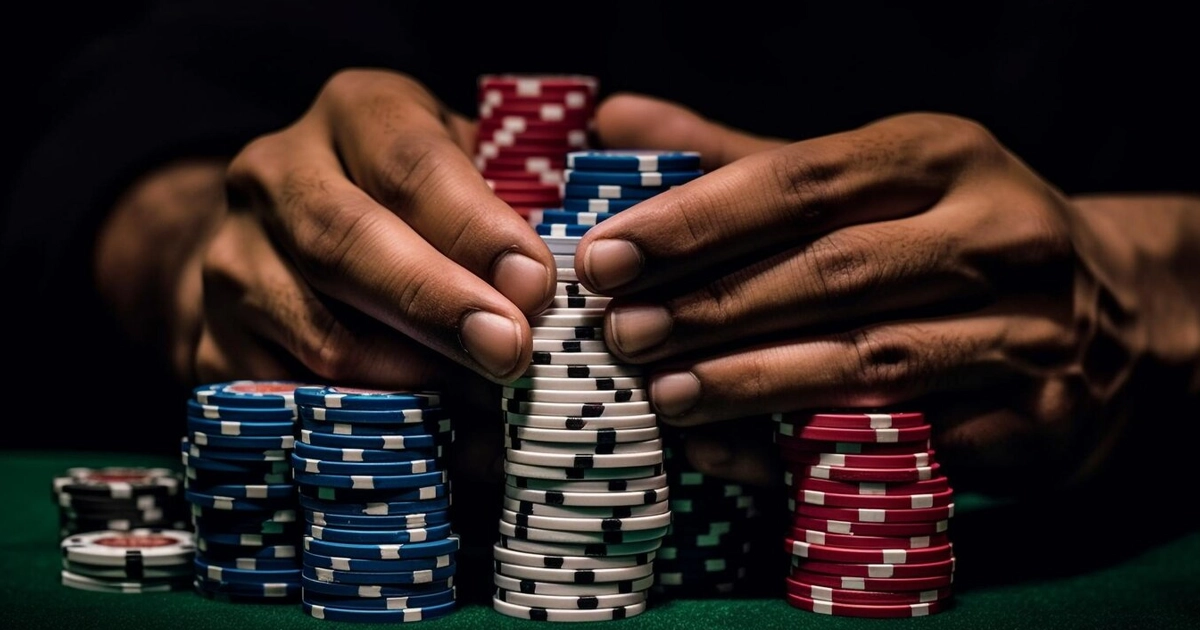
<point x="884" y="364"/>
<point x="409" y="164"/>
<point x="804" y="182"/>
<point x="844" y="270"/>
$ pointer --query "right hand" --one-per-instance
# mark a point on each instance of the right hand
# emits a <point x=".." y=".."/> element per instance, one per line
<point x="361" y="246"/>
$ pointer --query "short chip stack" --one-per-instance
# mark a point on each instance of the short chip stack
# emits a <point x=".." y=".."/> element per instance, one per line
<point x="586" y="500"/>
<point x="140" y="560"/>
<point x="870" y="514"/>
<point x="527" y="124"/>
<point x="370" y="468"/>
<point x="239" y="483"/>
<point x="716" y="522"/>
<point x="119" y="498"/>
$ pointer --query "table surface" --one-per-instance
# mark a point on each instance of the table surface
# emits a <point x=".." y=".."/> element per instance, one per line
<point x="1055" y="565"/>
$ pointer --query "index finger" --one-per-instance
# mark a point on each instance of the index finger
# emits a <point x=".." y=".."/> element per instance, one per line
<point x="765" y="201"/>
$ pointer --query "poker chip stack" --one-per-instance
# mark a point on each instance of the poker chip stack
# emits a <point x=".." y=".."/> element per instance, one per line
<point x="870" y="513"/>
<point x="373" y="485"/>
<point x="139" y="560"/>
<point x="119" y="498"/>
<point x="707" y="552"/>
<point x="586" y="500"/>
<point x="527" y="124"/>
<point x="239" y="483"/>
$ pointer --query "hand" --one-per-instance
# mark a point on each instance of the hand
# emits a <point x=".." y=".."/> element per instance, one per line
<point x="913" y="262"/>
<point x="360" y="246"/>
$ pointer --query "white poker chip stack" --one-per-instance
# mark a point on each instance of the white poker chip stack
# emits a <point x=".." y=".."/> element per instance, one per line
<point x="586" y="497"/>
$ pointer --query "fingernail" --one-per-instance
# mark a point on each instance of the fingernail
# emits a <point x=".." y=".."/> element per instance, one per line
<point x="523" y="280"/>
<point x="494" y="341"/>
<point x="636" y="328"/>
<point x="675" y="394"/>
<point x="610" y="263"/>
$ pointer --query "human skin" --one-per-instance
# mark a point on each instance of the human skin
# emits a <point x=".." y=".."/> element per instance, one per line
<point x="912" y="260"/>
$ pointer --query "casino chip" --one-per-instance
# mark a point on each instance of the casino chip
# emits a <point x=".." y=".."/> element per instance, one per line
<point x="587" y="501"/>
<point x="138" y="560"/>
<point x="868" y="531"/>
<point x="119" y="498"/>
<point x="240" y="487"/>
<point x="376" y="544"/>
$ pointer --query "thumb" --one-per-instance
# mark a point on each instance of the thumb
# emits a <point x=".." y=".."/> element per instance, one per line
<point x="634" y="121"/>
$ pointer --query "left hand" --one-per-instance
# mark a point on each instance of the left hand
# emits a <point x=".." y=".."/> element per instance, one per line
<point x="912" y="257"/>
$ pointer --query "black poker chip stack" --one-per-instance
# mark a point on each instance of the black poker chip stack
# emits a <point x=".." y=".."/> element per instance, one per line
<point x="119" y="499"/>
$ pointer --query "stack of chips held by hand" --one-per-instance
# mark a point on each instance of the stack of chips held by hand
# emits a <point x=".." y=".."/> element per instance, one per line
<point x="238" y="479"/>
<point x="715" y="524"/>
<point x="119" y="498"/>
<point x="375" y="492"/>
<point x="870" y="514"/>
<point x="133" y="561"/>
<point x="527" y="124"/>
<point x="586" y="500"/>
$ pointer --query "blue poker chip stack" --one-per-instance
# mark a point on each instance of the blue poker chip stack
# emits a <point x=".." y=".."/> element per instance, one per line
<point x="586" y="499"/>
<point x="237" y="469"/>
<point x="377" y="540"/>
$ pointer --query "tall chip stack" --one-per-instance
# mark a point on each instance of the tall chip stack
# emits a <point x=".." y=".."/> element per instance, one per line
<point x="240" y="435"/>
<point x="870" y="514"/>
<point x="716" y="529"/>
<point x="527" y="124"/>
<point x="586" y="499"/>
<point x="375" y="491"/>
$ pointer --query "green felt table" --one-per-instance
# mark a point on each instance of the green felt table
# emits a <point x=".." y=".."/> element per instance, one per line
<point x="1051" y="565"/>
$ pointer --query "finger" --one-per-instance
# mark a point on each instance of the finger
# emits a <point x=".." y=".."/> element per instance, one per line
<point x="872" y="366"/>
<point x="635" y="121"/>
<point x="836" y="277"/>
<point x="775" y="198"/>
<point x="348" y="247"/>
<point x="263" y="321"/>
<point x="404" y="156"/>
<point x="739" y="449"/>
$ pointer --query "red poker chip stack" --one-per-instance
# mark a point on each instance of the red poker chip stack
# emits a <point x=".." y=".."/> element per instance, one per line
<point x="869" y="514"/>
<point x="527" y="125"/>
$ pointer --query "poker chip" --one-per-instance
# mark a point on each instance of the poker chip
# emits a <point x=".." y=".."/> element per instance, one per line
<point x="631" y="177"/>
<point x="844" y="460"/>
<point x="233" y="428"/>
<point x="567" y="436"/>
<point x="338" y="397"/>
<point x="582" y="474"/>
<point x="145" y="547"/>
<point x="796" y="586"/>
<point x="875" y="570"/>
<point x="117" y="482"/>
<point x="881" y="611"/>
<point x="634" y="160"/>
<point x="378" y="536"/>
<point x="521" y="532"/>
<point x="877" y="542"/>
<point x="248" y="393"/>
<point x="854" y="474"/>
<point x="515" y="557"/>
<point x="873" y="515"/>
<point x="864" y="555"/>
<point x="584" y="460"/>
<point x="341" y="448"/>
<point x="357" y="416"/>
<point x="654" y="482"/>
<point x="380" y="429"/>
<point x="580" y="423"/>
<point x="575" y="396"/>
<point x="377" y="521"/>
<point x="797" y="450"/>
<point x="429" y="549"/>
<point x="927" y="528"/>
<point x="582" y="602"/>
<point x="590" y="205"/>
<point x="589" y="499"/>
<point x="880" y="584"/>
<point x="594" y="550"/>
<point x="317" y="598"/>
<point x="370" y="482"/>
<point x="379" y="577"/>
<point x="852" y="420"/>
<point x="633" y="523"/>
<point x="571" y="217"/>
<point x="85" y="583"/>
<point x="402" y="615"/>
<point x="620" y="511"/>
<point x="886" y="501"/>
<point x="365" y="468"/>
<point x="374" y="591"/>
<point x="566" y="614"/>
<point x="239" y="414"/>
<point x="929" y="486"/>
<point x="414" y="506"/>
<point x="320" y="561"/>
<point x="836" y="434"/>
<point x="575" y="576"/>
<point x="127" y="572"/>
<point x="534" y="587"/>
<point x="563" y="333"/>
<point x="247" y="593"/>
